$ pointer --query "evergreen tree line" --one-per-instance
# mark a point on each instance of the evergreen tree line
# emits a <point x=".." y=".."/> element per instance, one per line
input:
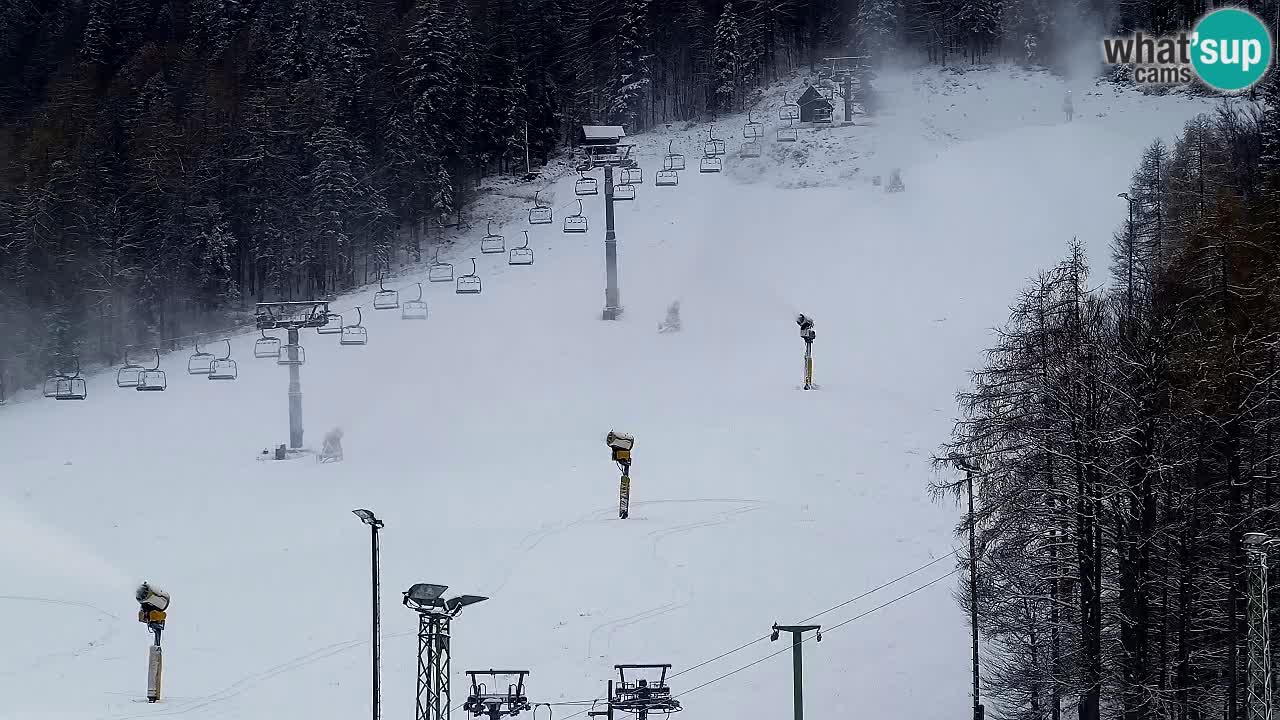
<point x="1125" y="438"/>
<point x="164" y="163"/>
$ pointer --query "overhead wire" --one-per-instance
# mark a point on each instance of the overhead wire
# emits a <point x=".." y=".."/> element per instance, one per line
<point x="853" y="599"/>
<point x="837" y="626"/>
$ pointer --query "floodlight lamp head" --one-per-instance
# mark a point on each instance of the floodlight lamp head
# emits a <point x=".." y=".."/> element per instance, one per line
<point x="425" y="595"/>
<point x="367" y="517"/>
<point x="455" y="605"/>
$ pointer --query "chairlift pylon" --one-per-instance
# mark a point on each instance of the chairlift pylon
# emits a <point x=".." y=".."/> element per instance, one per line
<point x="577" y="222"/>
<point x="128" y="374"/>
<point x="492" y="243"/>
<point x="200" y="362"/>
<point x="713" y="147"/>
<point x="522" y="255"/>
<point x="414" y="309"/>
<point x="673" y="160"/>
<point x="468" y="284"/>
<point x="385" y="299"/>
<point x="439" y="271"/>
<point x="752" y="129"/>
<point x="585" y="186"/>
<point x="153" y="378"/>
<point x="268" y="346"/>
<point x="355" y="334"/>
<point x="539" y="214"/>
<point x="224" y="368"/>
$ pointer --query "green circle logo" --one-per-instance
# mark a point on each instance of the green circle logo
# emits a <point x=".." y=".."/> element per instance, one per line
<point x="1231" y="49"/>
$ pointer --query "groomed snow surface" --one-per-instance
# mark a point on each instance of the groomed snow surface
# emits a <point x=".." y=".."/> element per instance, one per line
<point x="478" y="437"/>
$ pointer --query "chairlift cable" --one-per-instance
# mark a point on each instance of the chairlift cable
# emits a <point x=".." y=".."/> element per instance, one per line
<point x="859" y="616"/>
<point x="815" y="616"/>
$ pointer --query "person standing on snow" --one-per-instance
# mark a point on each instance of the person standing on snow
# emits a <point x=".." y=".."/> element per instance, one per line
<point x="1067" y="106"/>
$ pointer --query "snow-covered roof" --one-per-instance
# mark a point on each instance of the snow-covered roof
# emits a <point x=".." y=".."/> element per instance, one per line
<point x="603" y="132"/>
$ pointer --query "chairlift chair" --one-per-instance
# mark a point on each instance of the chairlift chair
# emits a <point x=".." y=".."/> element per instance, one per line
<point x="585" y="186"/>
<point x="414" y="309"/>
<point x="439" y="271"/>
<point x="66" y="385"/>
<point x="789" y="110"/>
<point x="268" y="346"/>
<point x="152" y="379"/>
<point x="294" y="354"/>
<point x="200" y="362"/>
<point x="673" y="159"/>
<point x="751" y="148"/>
<point x="788" y="133"/>
<point x="714" y="146"/>
<point x="224" y="368"/>
<point x="577" y="222"/>
<point x="469" y="284"/>
<point x="522" y="255"/>
<point x="128" y="374"/>
<point x="752" y="129"/>
<point x="624" y="191"/>
<point x="710" y="164"/>
<point x="332" y="325"/>
<point x="632" y="175"/>
<point x="539" y="214"/>
<point x="666" y="178"/>
<point x="492" y="243"/>
<point x="385" y="299"/>
<point x="355" y="334"/>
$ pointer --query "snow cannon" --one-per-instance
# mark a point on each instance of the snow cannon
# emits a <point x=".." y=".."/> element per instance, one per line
<point x="621" y="444"/>
<point x="806" y="327"/>
<point x="153" y="603"/>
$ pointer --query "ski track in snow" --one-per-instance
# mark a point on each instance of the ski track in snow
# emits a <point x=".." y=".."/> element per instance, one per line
<point x="477" y="435"/>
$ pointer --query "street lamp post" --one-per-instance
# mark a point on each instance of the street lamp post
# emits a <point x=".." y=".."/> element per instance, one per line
<point x="374" y="523"/>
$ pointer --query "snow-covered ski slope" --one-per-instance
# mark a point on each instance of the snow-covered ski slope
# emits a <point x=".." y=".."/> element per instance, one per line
<point x="477" y="436"/>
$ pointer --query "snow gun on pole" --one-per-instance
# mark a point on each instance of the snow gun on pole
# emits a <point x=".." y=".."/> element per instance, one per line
<point x="153" y="602"/>
<point x="620" y="444"/>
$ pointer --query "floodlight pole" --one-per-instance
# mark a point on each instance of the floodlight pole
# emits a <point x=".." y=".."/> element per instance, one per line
<point x="797" y="661"/>
<point x="295" y="391"/>
<point x="1259" y="694"/>
<point x="612" y="302"/>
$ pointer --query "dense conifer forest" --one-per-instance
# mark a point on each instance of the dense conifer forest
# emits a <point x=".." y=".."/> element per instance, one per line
<point x="1125" y="438"/>
<point x="165" y="162"/>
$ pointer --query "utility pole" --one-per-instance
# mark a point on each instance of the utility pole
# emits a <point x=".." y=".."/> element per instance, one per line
<point x="969" y="469"/>
<point x="797" y="660"/>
